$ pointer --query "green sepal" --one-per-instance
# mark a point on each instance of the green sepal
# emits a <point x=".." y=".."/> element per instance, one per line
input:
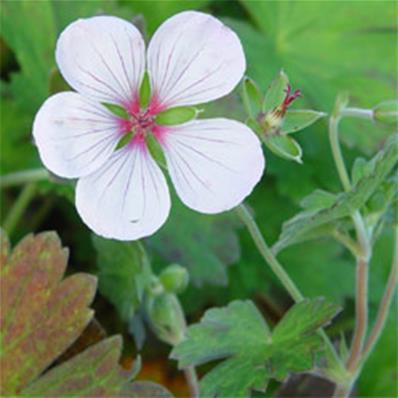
<point x="252" y="97"/>
<point x="276" y="92"/>
<point x="156" y="150"/>
<point x="178" y="115"/>
<point x="145" y="91"/>
<point x="255" y="126"/>
<point x="387" y="112"/>
<point x="125" y="140"/>
<point x="116" y="110"/>
<point x="299" y="119"/>
<point x="284" y="146"/>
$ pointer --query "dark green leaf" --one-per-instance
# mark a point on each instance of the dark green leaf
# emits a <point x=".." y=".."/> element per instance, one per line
<point x="318" y="200"/>
<point x="239" y="334"/>
<point x="204" y="244"/>
<point x="345" y="203"/>
<point x="123" y="273"/>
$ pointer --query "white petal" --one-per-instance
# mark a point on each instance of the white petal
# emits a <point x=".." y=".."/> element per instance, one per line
<point x="193" y="58"/>
<point x="214" y="164"/>
<point x="127" y="199"/>
<point x="103" y="57"/>
<point x="74" y="135"/>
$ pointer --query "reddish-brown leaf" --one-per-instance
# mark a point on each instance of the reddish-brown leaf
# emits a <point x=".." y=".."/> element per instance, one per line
<point x="42" y="315"/>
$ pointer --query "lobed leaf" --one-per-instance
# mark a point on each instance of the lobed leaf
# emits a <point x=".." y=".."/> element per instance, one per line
<point x="39" y="307"/>
<point x="345" y="203"/>
<point x="93" y="373"/>
<point x="252" y="354"/>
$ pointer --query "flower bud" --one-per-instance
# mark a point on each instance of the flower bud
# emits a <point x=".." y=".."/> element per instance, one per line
<point x="174" y="278"/>
<point x="386" y="112"/>
<point x="271" y="122"/>
<point x="166" y="317"/>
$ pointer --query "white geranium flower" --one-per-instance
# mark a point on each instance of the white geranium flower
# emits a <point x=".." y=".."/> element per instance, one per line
<point x="122" y="193"/>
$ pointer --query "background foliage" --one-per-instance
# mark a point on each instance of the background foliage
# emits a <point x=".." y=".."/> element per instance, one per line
<point x="325" y="47"/>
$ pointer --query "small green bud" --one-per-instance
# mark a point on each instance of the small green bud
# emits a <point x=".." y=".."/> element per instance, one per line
<point x="166" y="317"/>
<point x="386" y="112"/>
<point x="174" y="278"/>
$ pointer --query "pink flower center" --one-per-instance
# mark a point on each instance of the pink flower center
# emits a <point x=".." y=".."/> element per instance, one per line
<point x="140" y="122"/>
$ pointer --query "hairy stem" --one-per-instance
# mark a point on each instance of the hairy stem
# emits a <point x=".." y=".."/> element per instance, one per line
<point x="277" y="268"/>
<point x="361" y="310"/>
<point x="19" y="207"/>
<point x="385" y="303"/>
<point x="361" y="299"/>
<point x="192" y="380"/>
<point x="23" y="177"/>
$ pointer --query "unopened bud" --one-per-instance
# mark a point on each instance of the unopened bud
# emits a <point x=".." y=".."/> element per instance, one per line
<point x="166" y="317"/>
<point x="174" y="278"/>
<point x="386" y="112"/>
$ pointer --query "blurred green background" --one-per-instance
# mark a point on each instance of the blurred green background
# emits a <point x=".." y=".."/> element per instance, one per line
<point x="325" y="47"/>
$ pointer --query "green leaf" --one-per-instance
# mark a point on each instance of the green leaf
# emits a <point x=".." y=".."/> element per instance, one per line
<point x="145" y="91"/>
<point x="34" y="48"/>
<point x="299" y="119"/>
<point x="345" y="203"/>
<point x="252" y="354"/>
<point x="284" y="146"/>
<point x="93" y="373"/>
<point x="323" y="56"/>
<point x="276" y="92"/>
<point x="178" y="115"/>
<point x="38" y="308"/>
<point x="252" y="97"/>
<point x="204" y="244"/>
<point x="317" y="200"/>
<point x="123" y="273"/>
<point x="156" y="12"/>
<point x="116" y="110"/>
